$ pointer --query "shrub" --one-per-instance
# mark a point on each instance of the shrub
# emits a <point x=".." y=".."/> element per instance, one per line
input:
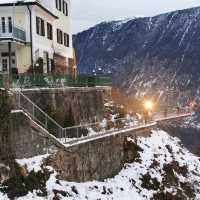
<point x="19" y="185"/>
<point x="149" y="183"/>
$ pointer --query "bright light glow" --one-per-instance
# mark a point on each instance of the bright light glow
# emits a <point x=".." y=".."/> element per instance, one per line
<point x="148" y="105"/>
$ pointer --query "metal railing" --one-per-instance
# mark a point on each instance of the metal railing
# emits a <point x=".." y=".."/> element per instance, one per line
<point x="85" y="131"/>
<point x="13" y="32"/>
<point x="38" y="115"/>
<point x="96" y="129"/>
<point x="50" y="81"/>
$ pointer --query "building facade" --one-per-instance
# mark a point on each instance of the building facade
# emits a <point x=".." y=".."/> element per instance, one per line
<point x="36" y="36"/>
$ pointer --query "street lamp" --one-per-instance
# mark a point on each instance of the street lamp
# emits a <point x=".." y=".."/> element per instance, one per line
<point x="148" y="105"/>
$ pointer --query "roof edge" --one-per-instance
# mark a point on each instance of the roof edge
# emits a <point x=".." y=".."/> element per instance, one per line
<point x="21" y="3"/>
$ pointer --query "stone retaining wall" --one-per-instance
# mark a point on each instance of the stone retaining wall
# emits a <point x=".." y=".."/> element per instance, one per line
<point x="29" y="139"/>
<point x="95" y="160"/>
<point x="70" y="106"/>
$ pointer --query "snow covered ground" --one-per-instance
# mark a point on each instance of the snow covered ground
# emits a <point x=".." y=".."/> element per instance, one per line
<point x="161" y="154"/>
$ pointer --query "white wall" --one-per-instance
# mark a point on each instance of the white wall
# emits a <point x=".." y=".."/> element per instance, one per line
<point x="20" y="17"/>
<point x="63" y="22"/>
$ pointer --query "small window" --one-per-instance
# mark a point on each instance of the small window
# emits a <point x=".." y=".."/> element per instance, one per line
<point x="59" y="36"/>
<point x="3" y="23"/>
<point x="65" y="8"/>
<point x="49" y="31"/>
<point x="5" y="65"/>
<point x="40" y="28"/>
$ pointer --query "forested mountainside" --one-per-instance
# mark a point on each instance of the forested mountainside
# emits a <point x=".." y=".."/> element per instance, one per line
<point x="150" y="55"/>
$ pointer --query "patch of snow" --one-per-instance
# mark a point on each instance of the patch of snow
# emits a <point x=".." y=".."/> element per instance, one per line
<point x="32" y="164"/>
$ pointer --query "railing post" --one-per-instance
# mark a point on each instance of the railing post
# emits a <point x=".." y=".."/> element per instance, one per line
<point x="77" y="132"/>
<point x="33" y="112"/>
<point x="19" y="100"/>
<point x="46" y="122"/>
<point x="65" y="135"/>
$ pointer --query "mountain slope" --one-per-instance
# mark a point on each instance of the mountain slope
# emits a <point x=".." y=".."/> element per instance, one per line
<point x="145" y="54"/>
<point x="164" y="169"/>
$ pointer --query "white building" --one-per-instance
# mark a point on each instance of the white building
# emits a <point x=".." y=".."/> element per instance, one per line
<point x="35" y="35"/>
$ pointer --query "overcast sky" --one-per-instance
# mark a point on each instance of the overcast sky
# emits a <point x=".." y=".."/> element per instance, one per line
<point x="87" y="13"/>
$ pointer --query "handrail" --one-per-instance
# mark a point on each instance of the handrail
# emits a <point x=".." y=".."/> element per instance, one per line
<point x="68" y="134"/>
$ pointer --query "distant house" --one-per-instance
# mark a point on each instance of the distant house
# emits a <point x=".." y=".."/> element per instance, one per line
<point x="36" y="36"/>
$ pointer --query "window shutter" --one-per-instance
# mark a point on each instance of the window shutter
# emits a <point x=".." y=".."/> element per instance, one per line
<point x="63" y="6"/>
<point x="67" y="40"/>
<point x="37" y="25"/>
<point x="42" y="28"/>
<point x="61" y="37"/>
<point x="10" y="24"/>
<point x="60" y="5"/>
<point x="66" y="9"/>
<point x="57" y="36"/>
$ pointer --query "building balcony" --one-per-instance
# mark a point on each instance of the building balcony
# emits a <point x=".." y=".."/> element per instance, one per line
<point x="12" y="33"/>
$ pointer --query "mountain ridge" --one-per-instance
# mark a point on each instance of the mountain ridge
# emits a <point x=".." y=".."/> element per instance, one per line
<point x="145" y="53"/>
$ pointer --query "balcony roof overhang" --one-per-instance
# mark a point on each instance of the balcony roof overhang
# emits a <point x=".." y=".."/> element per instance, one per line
<point x="29" y="3"/>
<point x="15" y="40"/>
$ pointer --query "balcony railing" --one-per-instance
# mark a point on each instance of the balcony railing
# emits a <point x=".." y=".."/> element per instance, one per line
<point x="15" y="32"/>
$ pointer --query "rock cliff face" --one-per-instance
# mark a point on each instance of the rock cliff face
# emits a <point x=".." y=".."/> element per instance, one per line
<point x="70" y="106"/>
<point x="146" y="55"/>
<point x="6" y="152"/>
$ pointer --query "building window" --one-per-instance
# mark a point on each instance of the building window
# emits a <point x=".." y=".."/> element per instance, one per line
<point x="5" y="64"/>
<point x="66" y="39"/>
<point x="10" y="25"/>
<point x="62" y="6"/>
<point x="65" y="8"/>
<point x="59" y="36"/>
<point x="40" y="29"/>
<point x="3" y="23"/>
<point x="49" y="31"/>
